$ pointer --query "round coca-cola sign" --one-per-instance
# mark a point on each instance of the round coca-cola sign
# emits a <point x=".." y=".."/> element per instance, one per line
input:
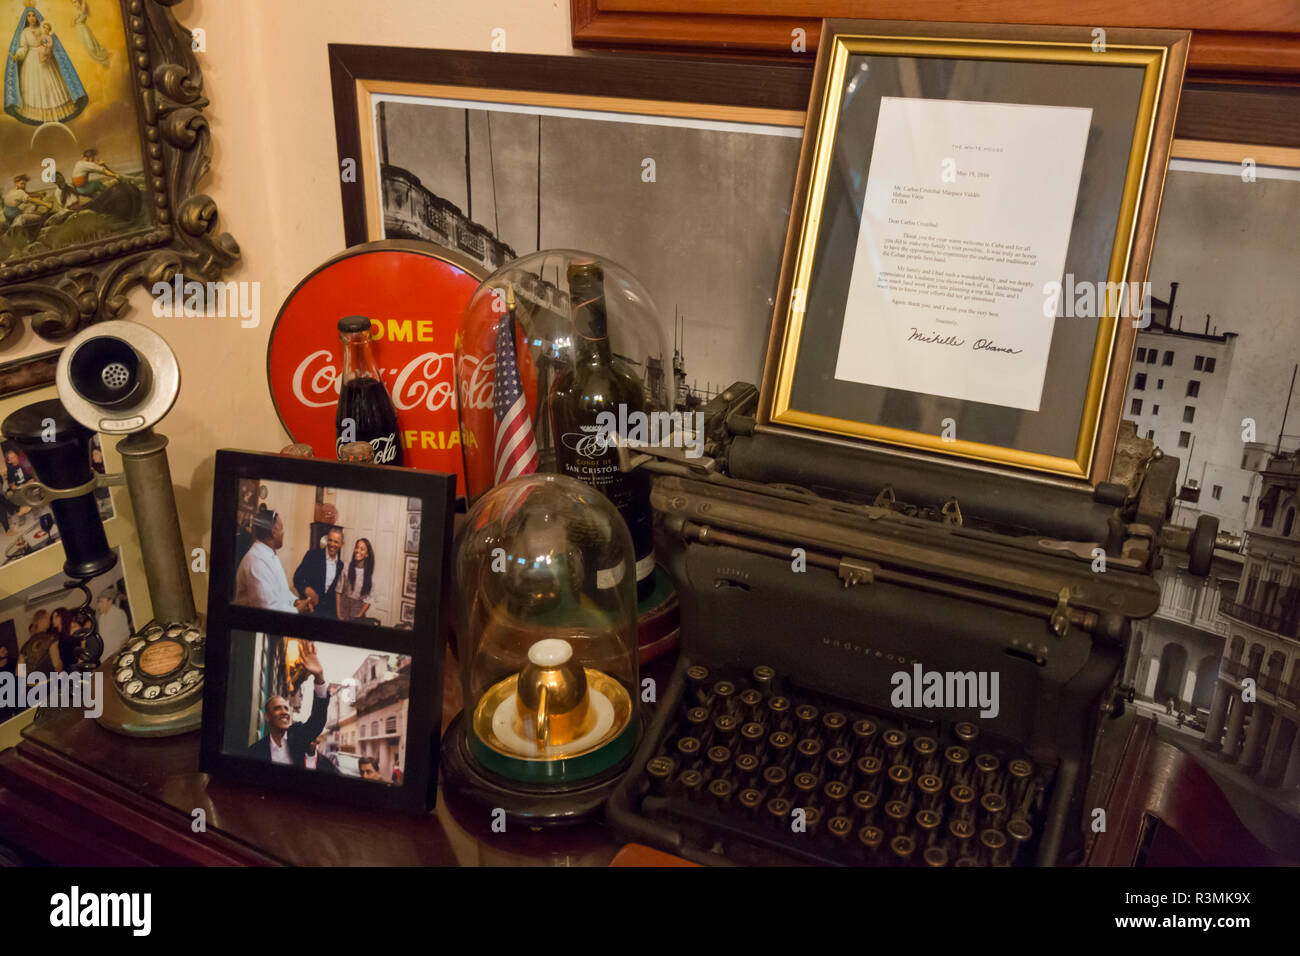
<point x="413" y="293"/>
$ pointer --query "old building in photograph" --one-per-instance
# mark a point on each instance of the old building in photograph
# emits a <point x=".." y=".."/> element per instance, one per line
<point x="1189" y="659"/>
<point x="369" y="720"/>
<point x="1261" y="657"/>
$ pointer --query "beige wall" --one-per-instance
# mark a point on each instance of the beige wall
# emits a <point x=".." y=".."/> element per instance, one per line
<point x="275" y="181"/>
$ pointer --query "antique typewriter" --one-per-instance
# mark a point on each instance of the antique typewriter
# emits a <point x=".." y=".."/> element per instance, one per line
<point x="844" y="617"/>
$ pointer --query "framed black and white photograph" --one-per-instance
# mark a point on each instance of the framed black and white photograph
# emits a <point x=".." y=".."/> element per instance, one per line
<point x="412" y="504"/>
<point x="1214" y="383"/>
<point x="410" y="578"/>
<point x="412" y="532"/>
<point x="347" y="703"/>
<point x="500" y="155"/>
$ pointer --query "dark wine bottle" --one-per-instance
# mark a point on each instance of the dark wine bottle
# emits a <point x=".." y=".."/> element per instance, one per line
<point x="363" y="400"/>
<point x="597" y="384"/>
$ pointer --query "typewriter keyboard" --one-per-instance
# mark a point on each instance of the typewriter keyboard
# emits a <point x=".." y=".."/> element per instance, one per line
<point x="760" y="772"/>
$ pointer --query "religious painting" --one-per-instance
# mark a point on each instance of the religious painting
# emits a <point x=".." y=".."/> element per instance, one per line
<point x="71" y="168"/>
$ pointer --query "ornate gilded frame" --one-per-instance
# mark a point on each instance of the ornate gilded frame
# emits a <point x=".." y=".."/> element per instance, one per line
<point x="1162" y="54"/>
<point x="63" y="291"/>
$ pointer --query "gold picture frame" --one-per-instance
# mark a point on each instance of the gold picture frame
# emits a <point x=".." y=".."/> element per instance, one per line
<point x="1161" y="56"/>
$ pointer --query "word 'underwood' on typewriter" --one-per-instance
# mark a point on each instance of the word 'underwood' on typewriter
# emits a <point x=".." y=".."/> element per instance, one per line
<point x="876" y="671"/>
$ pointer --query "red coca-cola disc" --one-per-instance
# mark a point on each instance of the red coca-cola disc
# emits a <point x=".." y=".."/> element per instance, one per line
<point x="413" y="294"/>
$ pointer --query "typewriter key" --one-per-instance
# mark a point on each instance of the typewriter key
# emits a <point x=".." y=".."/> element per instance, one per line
<point x="835" y="793"/>
<point x="893" y="742"/>
<point x="962" y="799"/>
<point x="931" y="788"/>
<point x="896" y="815"/>
<point x="746" y="766"/>
<point x="690" y="782"/>
<point x="956" y="765"/>
<point x="834" y="725"/>
<point x="697" y="722"/>
<point x="780" y="748"/>
<point x="778" y="812"/>
<point x="775" y="778"/>
<point x="993" y="848"/>
<point x="1020" y="833"/>
<point x="763" y="676"/>
<point x="868" y="773"/>
<point x="720" y="791"/>
<point x="901" y="779"/>
<point x="697" y="680"/>
<point x="1020" y="774"/>
<point x="965" y="731"/>
<point x="749" y="801"/>
<point x="967" y="861"/>
<point x="723" y="698"/>
<point x="805" y="786"/>
<point x="924" y="751"/>
<point x="864" y="802"/>
<point x="809" y="754"/>
<point x="724" y="729"/>
<point x="719" y="758"/>
<point x="778" y="713"/>
<point x="927" y="824"/>
<point x="993" y="807"/>
<point x="902" y="847"/>
<point x="986" y="773"/>
<point x="752" y="738"/>
<point x="688" y="751"/>
<point x="660" y="770"/>
<point x="935" y="856"/>
<point x="751" y="704"/>
<point x="864" y="737"/>
<point x="805" y="720"/>
<point x="840" y="827"/>
<point x="812" y="820"/>
<point x="871" y="837"/>
<point x="960" y="833"/>
<point x="837" y="763"/>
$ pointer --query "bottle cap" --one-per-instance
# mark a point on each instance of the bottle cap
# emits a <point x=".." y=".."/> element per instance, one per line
<point x="354" y="323"/>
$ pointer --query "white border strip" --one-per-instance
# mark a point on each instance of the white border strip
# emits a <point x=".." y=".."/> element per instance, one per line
<point x="607" y="116"/>
<point x="1216" y="168"/>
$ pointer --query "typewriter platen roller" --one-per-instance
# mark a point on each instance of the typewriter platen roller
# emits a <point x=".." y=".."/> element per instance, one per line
<point x="915" y="657"/>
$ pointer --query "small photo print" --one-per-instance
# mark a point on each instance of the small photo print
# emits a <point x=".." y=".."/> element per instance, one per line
<point x="414" y="504"/>
<point x="323" y="708"/>
<point x="333" y="553"/>
<point x="411" y="577"/>
<point x="43" y="627"/>
<point x="413" y="532"/>
<point x="408" y="614"/>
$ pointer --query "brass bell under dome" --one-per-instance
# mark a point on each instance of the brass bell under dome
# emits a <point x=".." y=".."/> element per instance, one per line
<point x="546" y="634"/>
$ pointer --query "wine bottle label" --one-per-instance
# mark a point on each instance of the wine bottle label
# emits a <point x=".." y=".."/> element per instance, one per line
<point x="645" y="567"/>
<point x="608" y="577"/>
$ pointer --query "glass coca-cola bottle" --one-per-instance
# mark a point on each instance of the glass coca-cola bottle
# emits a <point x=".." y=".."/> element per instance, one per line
<point x="366" y="411"/>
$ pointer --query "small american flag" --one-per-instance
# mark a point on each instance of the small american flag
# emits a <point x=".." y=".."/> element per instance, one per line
<point x="515" y="451"/>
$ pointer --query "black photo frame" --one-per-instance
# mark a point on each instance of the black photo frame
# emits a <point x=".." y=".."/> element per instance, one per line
<point x="422" y="642"/>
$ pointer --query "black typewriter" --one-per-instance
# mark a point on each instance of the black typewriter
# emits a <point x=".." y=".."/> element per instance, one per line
<point x="827" y="705"/>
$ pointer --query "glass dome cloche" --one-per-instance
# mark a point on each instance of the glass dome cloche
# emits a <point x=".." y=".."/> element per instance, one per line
<point x="527" y="330"/>
<point x="546" y="633"/>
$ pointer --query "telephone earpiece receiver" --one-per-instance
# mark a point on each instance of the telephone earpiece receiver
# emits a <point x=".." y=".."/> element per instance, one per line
<point x="121" y="378"/>
<point x="118" y="378"/>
